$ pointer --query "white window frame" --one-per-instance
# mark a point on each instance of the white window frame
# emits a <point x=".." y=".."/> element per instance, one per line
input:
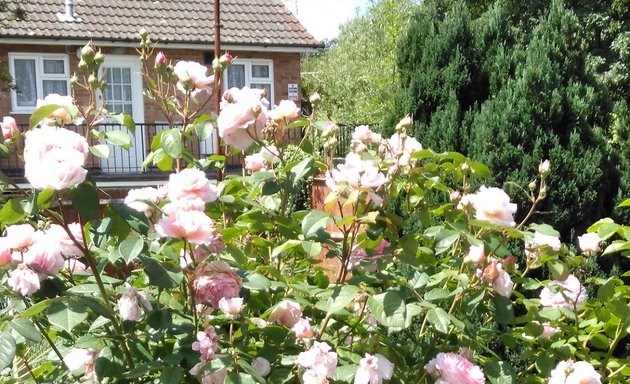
<point x="40" y="76"/>
<point x="249" y="79"/>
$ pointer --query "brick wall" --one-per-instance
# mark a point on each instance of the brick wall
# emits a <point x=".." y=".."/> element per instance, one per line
<point x="286" y="71"/>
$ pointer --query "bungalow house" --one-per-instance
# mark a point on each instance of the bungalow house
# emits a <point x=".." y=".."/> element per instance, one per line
<point x="42" y="52"/>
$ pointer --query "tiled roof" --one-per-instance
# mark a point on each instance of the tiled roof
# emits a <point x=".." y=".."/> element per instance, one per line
<point x="246" y="22"/>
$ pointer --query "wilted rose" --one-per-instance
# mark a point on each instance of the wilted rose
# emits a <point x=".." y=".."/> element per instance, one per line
<point x="214" y="281"/>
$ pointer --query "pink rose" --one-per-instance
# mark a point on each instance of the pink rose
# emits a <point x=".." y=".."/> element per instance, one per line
<point x="191" y="183"/>
<point x="6" y="256"/>
<point x="191" y="225"/>
<point x="450" y="368"/>
<point x="255" y="162"/>
<point x="80" y="358"/>
<point x="571" y="294"/>
<point x="310" y="376"/>
<point x="589" y="243"/>
<point x="216" y="377"/>
<point x="493" y="205"/>
<point x="132" y="304"/>
<point x="319" y="360"/>
<point x="214" y="281"/>
<point x="286" y="313"/>
<point x="9" y="127"/>
<point x="144" y="200"/>
<point x="503" y="283"/>
<point x="286" y="110"/>
<point x="58" y="235"/>
<point x="54" y="158"/>
<point x="160" y="59"/>
<point x="491" y="271"/>
<point x="59" y="116"/>
<point x="303" y="329"/>
<point x="231" y="307"/>
<point x="20" y="236"/>
<point x="23" y="280"/>
<point x="243" y="117"/>
<point x="202" y="251"/>
<point x="206" y="343"/>
<point x="192" y="76"/>
<point x="44" y="256"/>
<point x="373" y="370"/>
<point x="570" y="372"/>
<point x="399" y="148"/>
<point x="262" y="366"/>
<point x="476" y="255"/>
<point x="75" y="266"/>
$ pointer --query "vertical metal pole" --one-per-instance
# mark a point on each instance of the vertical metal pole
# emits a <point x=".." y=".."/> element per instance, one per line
<point x="217" y="80"/>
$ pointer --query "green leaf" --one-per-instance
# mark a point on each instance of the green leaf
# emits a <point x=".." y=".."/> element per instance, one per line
<point x="171" y="143"/>
<point x="301" y="170"/>
<point x="204" y="130"/>
<point x="7" y="350"/>
<point x="131" y="248"/>
<point x="625" y="203"/>
<point x="340" y="298"/>
<point x="85" y="200"/>
<point x="499" y="372"/>
<point x="119" y="138"/>
<point x="110" y="363"/>
<point x="312" y="248"/>
<point x="37" y="308"/>
<point x="345" y="373"/>
<point x="503" y="309"/>
<point x="100" y="150"/>
<point x="599" y="341"/>
<point x="41" y="113"/>
<point x="239" y="378"/>
<point x="172" y="375"/>
<point x="256" y="282"/>
<point x="439" y="319"/>
<point x="26" y="328"/>
<point x="251" y="371"/>
<point x="284" y="247"/>
<point x="162" y="275"/>
<point x="66" y="316"/>
<point x="314" y="225"/>
<point x="136" y="220"/>
<point x="45" y="198"/>
<point x="125" y="120"/>
<point x="389" y="309"/>
<point x="559" y="270"/>
<point x="12" y="212"/>
<point x="480" y="169"/>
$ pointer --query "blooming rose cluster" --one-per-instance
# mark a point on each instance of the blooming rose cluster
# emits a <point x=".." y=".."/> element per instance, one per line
<point x="398" y="150"/>
<point x="263" y="160"/>
<point x="192" y="76"/>
<point x="490" y="204"/>
<point x="145" y="200"/>
<point x="578" y="372"/>
<point x="568" y="293"/>
<point x="451" y="368"/>
<point x="54" y="158"/>
<point x="38" y="253"/>
<point x="207" y="345"/>
<point x="356" y="174"/>
<point x="243" y="116"/>
<point x="184" y="216"/>
<point x="320" y="363"/>
<point x="132" y="303"/>
<point x="289" y="314"/>
<point x="495" y="273"/>
<point x="362" y="138"/>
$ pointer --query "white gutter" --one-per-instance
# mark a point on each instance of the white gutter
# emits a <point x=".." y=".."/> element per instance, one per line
<point x="163" y="45"/>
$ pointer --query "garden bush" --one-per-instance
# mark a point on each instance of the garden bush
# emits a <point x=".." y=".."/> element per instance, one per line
<point x="223" y="282"/>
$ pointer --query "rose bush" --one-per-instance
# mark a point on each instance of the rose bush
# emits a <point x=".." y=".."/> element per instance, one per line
<point x="223" y="281"/>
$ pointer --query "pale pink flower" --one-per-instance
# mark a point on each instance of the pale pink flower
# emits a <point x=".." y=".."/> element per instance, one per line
<point x="476" y="255"/>
<point x="360" y="257"/>
<point x="303" y="329"/>
<point x="54" y="158"/>
<point x="202" y="251"/>
<point x="578" y="372"/>
<point x="589" y="243"/>
<point x="310" y="376"/>
<point x="286" y="313"/>
<point x="503" y="284"/>
<point x="373" y="370"/>
<point x="571" y="294"/>
<point x="20" y="236"/>
<point x="262" y="366"/>
<point x="23" y="280"/>
<point x="75" y="266"/>
<point x="319" y="359"/>
<point x="193" y="226"/>
<point x="192" y="76"/>
<point x="59" y="116"/>
<point x="191" y="183"/>
<point x="547" y="331"/>
<point x="214" y="281"/>
<point x="144" y="200"/>
<point x="372" y="177"/>
<point x="132" y="303"/>
<point x="364" y="134"/>
<point x="80" y="358"/>
<point x="160" y="59"/>
<point x="540" y="240"/>
<point x="44" y="256"/>
<point x="450" y="368"/>
<point x="491" y="271"/>
<point x="231" y="307"/>
<point x="544" y="167"/>
<point x="9" y="127"/>
<point x="255" y="162"/>
<point x="184" y="205"/>
<point x="493" y="205"/>
<point x="216" y="377"/>
<point x="206" y="343"/>
<point x="286" y="110"/>
<point x="243" y="117"/>
<point x="58" y="235"/>
<point x="6" y="256"/>
<point x="399" y="148"/>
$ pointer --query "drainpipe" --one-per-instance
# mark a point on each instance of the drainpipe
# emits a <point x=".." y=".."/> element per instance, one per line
<point x="217" y="83"/>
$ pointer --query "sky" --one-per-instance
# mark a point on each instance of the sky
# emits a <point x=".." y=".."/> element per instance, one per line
<point x="322" y="18"/>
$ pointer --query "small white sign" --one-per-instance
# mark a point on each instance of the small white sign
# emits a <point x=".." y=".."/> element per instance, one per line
<point x="293" y="92"/>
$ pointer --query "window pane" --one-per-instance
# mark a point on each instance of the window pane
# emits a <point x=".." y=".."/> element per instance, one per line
<point x="108" y="75"/>
<point x="260" y="70"/>
<point x="126" y="75"/>
<point x="236" y="76"/>
<point x="117" y="92"/>
<point x="116" y="75"/>
<point x="54" y="67"/>
<point x="127" y="92"/>
<point x="26" y="82"/>
<point x="59" y="87"/>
